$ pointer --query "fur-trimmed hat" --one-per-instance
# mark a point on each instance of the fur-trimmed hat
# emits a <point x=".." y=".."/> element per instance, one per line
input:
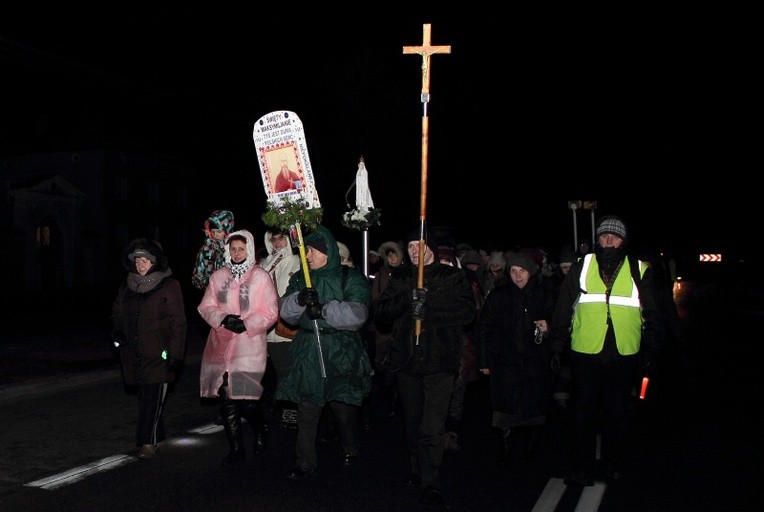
<point x="142" y="253"/>
<point x="145" y="248"/>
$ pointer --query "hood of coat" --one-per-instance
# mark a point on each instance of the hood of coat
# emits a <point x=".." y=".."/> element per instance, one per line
<point x="394" y="246"/>
<point x="250" y="248"/>
<point x="332" y="250"/>
<point x="145" y="245"/>
<point x="219" y="219"/>
<point x="268" y="241"/>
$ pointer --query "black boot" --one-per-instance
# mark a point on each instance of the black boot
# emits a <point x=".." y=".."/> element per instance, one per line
<point x="252" y="411"/>
<point x="229" y="413"/>
<point x="532" y="445"/>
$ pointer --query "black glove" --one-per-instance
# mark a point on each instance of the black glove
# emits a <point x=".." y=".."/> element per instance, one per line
<point x="174" y="365"/>
<point x="418" y="296"/>
<point x="307" y="296"/>
<point x="234" y="324"/>
<point x="118" y="337"/>
<point x="315" y="310"/>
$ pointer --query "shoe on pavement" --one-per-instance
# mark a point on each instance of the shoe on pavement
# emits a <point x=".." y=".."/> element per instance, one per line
<point x="298" y="473"/>
<point x="579" y="480"/>
<point x="349" y="459"/>
<point x="433" y="497"/>
<point x="147" y="451"/>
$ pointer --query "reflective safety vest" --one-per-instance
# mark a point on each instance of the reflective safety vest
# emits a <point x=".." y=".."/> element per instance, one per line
<point x="591" y="310"/>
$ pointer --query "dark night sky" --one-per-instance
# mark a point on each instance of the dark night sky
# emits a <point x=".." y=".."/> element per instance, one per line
<point x="654" y="114"/>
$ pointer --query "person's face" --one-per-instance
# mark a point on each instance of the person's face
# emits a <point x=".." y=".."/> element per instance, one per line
<point x="519" y="276"/>
<point x="496" y="270"/>
<point x="142" y="265"/>
<point x="610" y="240"/>
<point x="473" y="266"/>
<point x="238" y="250"/>
<point x="373" y="257"/>
<point x="565" y="269"/>
<point x="413" y="250"/>
<point x="217" y="234"/>
<point x="393" y="260"/>
<point x="316" y="259"/>
<point x="279" y="241"/>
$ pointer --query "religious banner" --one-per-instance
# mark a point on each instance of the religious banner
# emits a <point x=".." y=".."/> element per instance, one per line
<point x="282" y="153"/>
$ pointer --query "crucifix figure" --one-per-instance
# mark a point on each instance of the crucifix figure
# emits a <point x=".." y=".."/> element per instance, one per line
<point x="425" y="51"/>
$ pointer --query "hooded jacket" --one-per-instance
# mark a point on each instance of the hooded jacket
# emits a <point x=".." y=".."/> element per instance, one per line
<point x="210" y="256"/>
<point x="253" y="296"/>
<point x="149" y="313"/>
<point x="346" y="309"/>
<point x="281" y="265"/>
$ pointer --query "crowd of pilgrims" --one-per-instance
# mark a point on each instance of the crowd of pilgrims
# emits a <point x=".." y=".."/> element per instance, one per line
<point x="413" y="346"/>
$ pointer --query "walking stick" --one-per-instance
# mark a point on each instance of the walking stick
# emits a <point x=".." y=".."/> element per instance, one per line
<point x="425" y="51"/>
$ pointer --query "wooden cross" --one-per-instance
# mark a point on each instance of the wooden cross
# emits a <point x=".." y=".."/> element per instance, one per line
<point x="425" y="51"/>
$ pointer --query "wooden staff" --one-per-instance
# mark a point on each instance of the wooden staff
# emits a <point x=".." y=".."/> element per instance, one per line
<point x="425" y="51"/>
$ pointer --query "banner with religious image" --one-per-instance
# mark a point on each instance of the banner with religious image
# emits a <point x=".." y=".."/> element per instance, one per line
<point x="282" y="153"/>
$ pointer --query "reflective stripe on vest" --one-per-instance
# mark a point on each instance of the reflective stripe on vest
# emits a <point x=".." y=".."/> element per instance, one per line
<point x="590" y="314"/>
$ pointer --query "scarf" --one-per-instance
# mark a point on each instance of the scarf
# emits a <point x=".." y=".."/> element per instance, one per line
<point x="143" y="284"/>
<point x="238" y="269"/>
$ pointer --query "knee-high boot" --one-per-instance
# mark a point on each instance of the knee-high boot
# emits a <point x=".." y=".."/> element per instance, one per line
<point x="229" y="413"/>
<point x="252" y="411"/>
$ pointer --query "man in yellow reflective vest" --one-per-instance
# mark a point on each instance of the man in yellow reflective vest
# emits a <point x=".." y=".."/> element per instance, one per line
<point x="607" y="326"/>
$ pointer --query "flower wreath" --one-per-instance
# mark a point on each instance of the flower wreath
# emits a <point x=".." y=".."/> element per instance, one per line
<point x="288" y="213"/>
<point x="361" y="219"/>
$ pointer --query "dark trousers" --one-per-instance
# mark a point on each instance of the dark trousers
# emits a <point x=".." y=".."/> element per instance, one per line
<point x="425" y="402"/>
<point x="308" y="416"/>
<point x="150" y="428"/>
<point x="606" y="388"/>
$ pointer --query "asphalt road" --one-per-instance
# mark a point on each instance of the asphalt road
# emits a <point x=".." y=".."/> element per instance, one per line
<point x="67" y="443"/>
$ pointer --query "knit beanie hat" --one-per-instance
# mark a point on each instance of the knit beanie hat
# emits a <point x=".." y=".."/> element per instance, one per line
<point x="610" y="224"/>
<point x="319" y="244"/>
<point x="429" y="239"/>
<point x="472" y="257"/>
<point x="524" y="259"/>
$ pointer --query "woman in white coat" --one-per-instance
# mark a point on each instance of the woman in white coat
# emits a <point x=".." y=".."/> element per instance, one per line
<point x="240" y="304"/>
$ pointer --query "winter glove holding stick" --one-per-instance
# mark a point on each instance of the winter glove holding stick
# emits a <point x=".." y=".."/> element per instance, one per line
<point x="307" y="296"/>
<point x="418" y="296"/>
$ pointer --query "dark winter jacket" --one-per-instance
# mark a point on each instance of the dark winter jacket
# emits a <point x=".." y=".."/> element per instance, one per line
<point x="149" y="322"/>
<point x="520" y="372"/>
<point x="449" y="306"/>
